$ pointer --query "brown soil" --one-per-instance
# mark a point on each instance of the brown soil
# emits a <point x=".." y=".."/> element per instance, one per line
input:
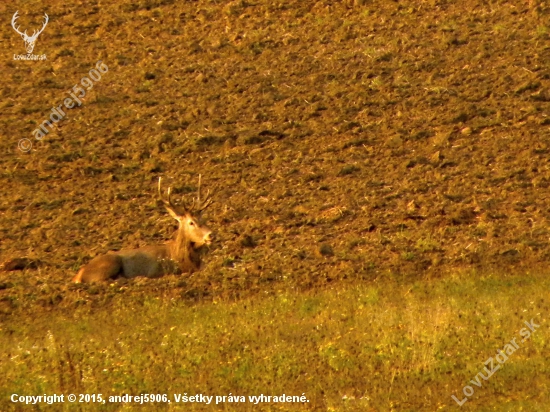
<point x="345" y="140"/>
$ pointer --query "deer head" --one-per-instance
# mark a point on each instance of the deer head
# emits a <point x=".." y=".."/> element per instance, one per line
<point x="187" y="217"/>
<point x="29" y="41"/>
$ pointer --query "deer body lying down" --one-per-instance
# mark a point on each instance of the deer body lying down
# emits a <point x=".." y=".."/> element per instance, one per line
<point x="182" y="254"/>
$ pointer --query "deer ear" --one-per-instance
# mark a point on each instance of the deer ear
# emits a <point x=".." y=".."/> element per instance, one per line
<point x="173" y="214"/>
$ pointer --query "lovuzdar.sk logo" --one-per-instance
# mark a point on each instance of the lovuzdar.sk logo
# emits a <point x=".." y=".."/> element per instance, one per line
<point x="30" y="41"/>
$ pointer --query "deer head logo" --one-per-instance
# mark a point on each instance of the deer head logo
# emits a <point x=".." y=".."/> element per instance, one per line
<point x="29" y="40"/>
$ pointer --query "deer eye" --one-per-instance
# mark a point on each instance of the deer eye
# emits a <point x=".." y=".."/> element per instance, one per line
<point x="191" y="223"/>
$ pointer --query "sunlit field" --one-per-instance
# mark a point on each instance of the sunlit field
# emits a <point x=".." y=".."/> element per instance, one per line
<point x="380" y="178"/>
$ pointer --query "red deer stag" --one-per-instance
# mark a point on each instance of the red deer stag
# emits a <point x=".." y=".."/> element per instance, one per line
<point x="180" y="254"/>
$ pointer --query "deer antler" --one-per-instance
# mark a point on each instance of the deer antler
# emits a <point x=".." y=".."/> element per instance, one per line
<point x="199" y="205"/>
<point x="14" y="18"/>
<point x="168" y="203"/>
<point x="24" y="34"/>
<point x="46" y="19"/>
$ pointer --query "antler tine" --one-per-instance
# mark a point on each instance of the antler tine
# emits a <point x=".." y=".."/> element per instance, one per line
<point x="46" y="20"/>
<point x="202" y="204"/>
<point x="197" y="203"/>
<point x="199" y="190"/>
<point x="34" y="33"/>
<point x="168" y="202"/>
<point x="14" y="18"/>
<point x="206" y="203"/>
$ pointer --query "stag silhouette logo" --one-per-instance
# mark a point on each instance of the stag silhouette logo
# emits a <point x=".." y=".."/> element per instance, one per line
<point x="30" y="41"/>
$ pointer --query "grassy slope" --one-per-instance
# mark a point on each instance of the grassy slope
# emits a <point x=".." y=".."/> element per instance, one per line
<point x="384" y="346"/>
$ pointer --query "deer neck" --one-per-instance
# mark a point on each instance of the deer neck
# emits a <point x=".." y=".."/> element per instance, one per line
<point x="182" y="252"/>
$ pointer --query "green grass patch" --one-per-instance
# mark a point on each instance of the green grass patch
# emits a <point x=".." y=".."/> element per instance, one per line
<point x="381" y="346"/>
